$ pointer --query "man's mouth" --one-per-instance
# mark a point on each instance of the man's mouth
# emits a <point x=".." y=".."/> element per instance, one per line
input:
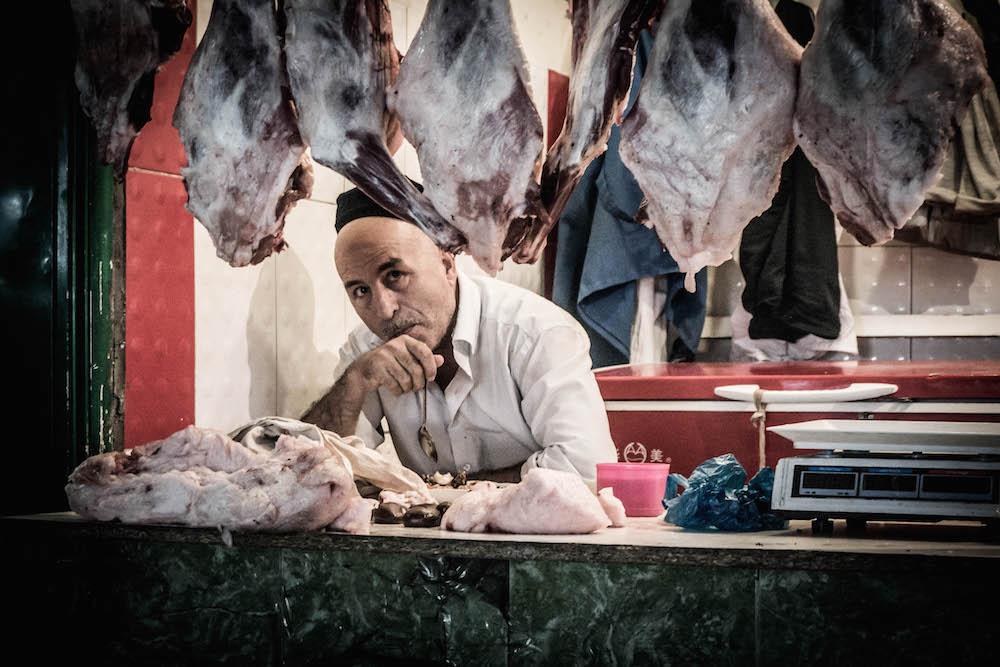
<point x="397" y="331"/>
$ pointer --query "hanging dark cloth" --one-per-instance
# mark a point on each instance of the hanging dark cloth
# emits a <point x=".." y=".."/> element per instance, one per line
<point x="961" y="213"/>
<point x="602" y="252"/>
<point x="788" y="254"/>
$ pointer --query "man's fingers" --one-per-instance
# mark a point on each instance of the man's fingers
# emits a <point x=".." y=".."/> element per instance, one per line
<point x="397" y="380"/>
<point x="414" y="371"/>
<point x="424" y="356"/>
<point x="438" y="360"/>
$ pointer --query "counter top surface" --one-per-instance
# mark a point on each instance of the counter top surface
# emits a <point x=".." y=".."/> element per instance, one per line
<point x="643" y="540"/>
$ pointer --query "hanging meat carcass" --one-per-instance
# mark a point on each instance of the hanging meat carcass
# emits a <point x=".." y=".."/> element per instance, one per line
<point x="712" y="124"/>
<point x="884" y="84"/>
<point x="120" y="45"/>
<point x="604" y="37"/>
<point x="246" y="161"/>
<point x="463" y="102"/>
<point x="341" y="59"/>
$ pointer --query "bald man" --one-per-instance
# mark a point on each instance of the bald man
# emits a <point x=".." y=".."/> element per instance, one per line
<point x="507" y="373"/>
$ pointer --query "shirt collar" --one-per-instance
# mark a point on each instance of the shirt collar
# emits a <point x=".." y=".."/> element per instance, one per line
<point x="466" y="332"/>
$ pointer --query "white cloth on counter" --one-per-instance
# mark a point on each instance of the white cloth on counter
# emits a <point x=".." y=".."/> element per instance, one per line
<point x="363" y="463"/>
<point x="524" y="393"/>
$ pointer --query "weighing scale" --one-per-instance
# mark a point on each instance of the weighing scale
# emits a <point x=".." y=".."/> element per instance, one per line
<point x="889" y="471"/>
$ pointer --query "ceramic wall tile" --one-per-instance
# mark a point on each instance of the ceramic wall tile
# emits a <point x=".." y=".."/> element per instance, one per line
<point x="327" y="184"/>
<point x="949" y="283"/>
<point x="956" y="347"/>
<point x="713" y="349"/>
<point x="546" y="34"/>
<point x="877" y="280"/>
<point x="398" y="12"/>
<point x="309" y="302"/>
<point x="414" y="15"/>
<point x="235" y="352"/>
<point x="845" y="238"/>
<point x="202" y="14"/>
<point x="884" y="349"/>
<point x="725" y="288"/>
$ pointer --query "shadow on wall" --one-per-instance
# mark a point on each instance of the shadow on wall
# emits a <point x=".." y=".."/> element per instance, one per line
<point x="287" y="371"/>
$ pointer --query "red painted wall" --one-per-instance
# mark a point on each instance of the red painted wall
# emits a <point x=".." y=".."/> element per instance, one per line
<point x="159" y="271"/>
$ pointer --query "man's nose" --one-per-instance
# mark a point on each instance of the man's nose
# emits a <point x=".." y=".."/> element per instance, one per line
<point x="385" y="303"/>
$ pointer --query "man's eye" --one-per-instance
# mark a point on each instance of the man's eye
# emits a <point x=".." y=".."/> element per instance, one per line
<point x="394" y="276"/>
<point x="359" y="292"/>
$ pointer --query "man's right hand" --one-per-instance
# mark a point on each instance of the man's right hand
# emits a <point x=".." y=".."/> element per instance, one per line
<point x="401" y="365"/>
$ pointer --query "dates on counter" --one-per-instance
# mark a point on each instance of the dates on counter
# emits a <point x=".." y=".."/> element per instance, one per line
<point x="388" y="513"/>
<point x="422" y="516"/>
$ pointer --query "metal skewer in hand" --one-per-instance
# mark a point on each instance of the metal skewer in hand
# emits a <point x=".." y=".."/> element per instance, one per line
<point x="424" y="436"/>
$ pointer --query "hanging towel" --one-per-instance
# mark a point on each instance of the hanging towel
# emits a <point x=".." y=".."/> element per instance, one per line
<point x="788" y="254"/>
<point x="602" y="252"/>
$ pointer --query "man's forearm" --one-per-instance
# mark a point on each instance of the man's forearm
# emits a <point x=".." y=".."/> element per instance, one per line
<point x="512" y="474"/>
<point x="340" y="408"/>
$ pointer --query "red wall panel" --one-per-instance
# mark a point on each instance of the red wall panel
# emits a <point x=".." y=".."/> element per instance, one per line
<point x="159" y="270"/>
<point x="159" y="308"/>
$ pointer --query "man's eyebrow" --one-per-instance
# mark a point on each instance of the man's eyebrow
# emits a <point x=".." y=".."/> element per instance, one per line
<point x="351" y="283"/>
<point x="388" y="264"/>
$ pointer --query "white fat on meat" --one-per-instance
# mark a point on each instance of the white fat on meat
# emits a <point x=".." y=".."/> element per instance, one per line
<point x="612" y="506"/>
<point x="712" y="125"/>
<point x="198" y="477"/>
<point x="463" y="102"/>
<point x="407" y="499"/>
<point x="246" y="163"/>
<point x="544" y="502"/>
<point x="881" y="93"/>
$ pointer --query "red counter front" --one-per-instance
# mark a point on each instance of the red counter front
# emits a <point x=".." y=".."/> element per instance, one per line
<point x="670" y="413"/>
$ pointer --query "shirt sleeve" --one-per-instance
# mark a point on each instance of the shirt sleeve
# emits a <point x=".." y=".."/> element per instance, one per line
<point x="562" y="404"/>
<point x="369" y="427"/>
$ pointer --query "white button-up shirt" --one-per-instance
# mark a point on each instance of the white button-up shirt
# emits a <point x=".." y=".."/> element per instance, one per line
<point x="524" y="393"/>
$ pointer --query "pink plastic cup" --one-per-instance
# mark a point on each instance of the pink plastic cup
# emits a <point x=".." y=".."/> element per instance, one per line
<point x="640" y="486"/>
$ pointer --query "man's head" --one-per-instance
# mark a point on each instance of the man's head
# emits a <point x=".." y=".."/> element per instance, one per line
<point x="396" y="278"/>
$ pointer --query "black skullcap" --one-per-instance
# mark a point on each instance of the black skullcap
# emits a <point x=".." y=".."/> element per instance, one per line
<point x="355" y="204"/>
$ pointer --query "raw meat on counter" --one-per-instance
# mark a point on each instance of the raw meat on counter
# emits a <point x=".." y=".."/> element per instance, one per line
<point x="341" y="59"/>
<point x="365" y="464"/>
<point x="545" y="501"/>
<point x="463" y="102"/>
<point x="120" y="45"/>
<point x="198" y="477"/>
<point x="604" y="37"/>
<point x="613" y="507"/>
<point x="246" y="161"/>
<point x="712" y="125"/>
<point x="881" y="93"/>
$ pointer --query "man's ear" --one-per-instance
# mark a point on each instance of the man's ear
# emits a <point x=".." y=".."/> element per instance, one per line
<point x="448" y="260"/>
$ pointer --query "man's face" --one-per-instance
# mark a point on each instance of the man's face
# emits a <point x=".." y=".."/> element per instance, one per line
<point x="396" y="278"/>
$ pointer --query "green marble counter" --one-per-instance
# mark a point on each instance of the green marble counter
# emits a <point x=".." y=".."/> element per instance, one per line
<point x="645" y="594"/>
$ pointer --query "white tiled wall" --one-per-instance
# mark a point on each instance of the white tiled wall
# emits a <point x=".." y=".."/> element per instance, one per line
<point x="267" y="336"/>
<point x="896" y="279"/>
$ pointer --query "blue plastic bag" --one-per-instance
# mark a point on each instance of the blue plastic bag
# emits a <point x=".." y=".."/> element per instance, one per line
<point x="715" y="497"/>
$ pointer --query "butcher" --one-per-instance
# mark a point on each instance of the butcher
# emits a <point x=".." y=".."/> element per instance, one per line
<point x="505" y="373"/>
